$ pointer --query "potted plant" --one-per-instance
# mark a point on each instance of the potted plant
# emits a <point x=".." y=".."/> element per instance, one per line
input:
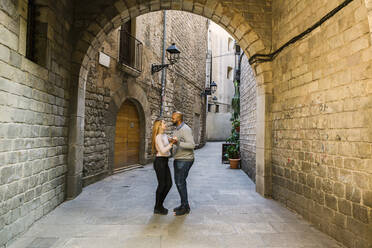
<point x="233" y="154"/>
<point x="234" y="138"/>
<point x="236" y="125"/>
<point x="231" y="150"/>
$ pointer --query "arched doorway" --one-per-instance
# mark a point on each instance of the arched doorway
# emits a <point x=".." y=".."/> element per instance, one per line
<point x="127" y="136"/>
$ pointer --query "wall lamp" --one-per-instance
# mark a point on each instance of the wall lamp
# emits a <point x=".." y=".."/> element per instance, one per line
<point x="210" y="90"/>
<point x="173" y="55"/>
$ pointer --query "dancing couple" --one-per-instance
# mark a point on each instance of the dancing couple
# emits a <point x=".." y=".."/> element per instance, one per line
<point x="182" y="144"/>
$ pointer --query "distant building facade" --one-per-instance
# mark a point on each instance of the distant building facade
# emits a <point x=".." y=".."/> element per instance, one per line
<point x="220" y="69"/>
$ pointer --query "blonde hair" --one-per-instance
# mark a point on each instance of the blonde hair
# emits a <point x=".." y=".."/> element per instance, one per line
<point x="155" y="131"/>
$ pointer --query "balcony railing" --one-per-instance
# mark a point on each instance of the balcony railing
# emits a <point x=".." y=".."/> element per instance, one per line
<point x="130" y="53"/>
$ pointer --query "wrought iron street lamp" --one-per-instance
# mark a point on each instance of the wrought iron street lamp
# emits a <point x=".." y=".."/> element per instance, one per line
<point x="213" y="87"/>
<point x="173" y="55"/>
<point x="210" y="90"/>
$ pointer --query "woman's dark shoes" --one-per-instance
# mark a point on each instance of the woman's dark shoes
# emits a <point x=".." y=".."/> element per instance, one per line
<point x="182" y="211"/>
<point x="162" y="211"/>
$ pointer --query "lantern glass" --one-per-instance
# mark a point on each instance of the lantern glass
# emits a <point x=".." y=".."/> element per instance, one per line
<point x="213" y="87"/>
<point x="173" y="54"/>
<point x="173" y="58"/>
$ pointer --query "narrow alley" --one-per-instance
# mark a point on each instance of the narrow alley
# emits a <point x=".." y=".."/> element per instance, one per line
<point x="225" y="212"/>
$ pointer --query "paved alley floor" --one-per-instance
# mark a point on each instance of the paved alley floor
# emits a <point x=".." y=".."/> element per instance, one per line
<point x="225" y="212"/>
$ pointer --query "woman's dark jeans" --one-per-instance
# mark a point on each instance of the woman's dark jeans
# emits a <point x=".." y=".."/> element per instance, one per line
<point x="181" y="171"/>
<point x="164" y="180"/>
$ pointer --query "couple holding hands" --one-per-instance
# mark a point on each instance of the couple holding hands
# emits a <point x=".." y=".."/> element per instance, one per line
<point x="183" y="146"/>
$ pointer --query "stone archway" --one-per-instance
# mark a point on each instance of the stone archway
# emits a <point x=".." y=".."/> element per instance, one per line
<point x="92" y="37"/>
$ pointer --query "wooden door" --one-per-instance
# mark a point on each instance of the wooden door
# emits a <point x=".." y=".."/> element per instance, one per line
<point x="127" y="136"/>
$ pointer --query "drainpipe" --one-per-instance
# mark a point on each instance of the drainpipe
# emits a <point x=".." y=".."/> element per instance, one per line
<point x="209" y="49"/>
<point x="239" y="69"/>
<point x="211" y="70"/>
<point x="208" y="84"/>
<point x="163" y="72"/>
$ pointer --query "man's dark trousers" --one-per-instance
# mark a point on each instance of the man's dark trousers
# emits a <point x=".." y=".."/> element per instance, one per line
<point x="181" y="171"/>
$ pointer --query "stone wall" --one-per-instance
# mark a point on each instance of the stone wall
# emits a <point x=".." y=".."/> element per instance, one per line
<point x="184" y="83"/>
<point x="186" y="79"/>
<point x="95" y="143"/>
<point x="33" y="116"/>
<point x="321" y="115"/>
<point x="218" y="126"/>
<point x="248" y="115"/>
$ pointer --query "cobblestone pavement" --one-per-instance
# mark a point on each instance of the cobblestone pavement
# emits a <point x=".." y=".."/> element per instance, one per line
<point x="225" y="212"/>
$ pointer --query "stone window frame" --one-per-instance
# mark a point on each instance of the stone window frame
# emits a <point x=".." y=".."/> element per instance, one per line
<point x="34" y="37"/>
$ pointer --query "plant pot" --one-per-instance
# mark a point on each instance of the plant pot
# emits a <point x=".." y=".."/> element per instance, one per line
<point x="237" y="129"/>
<point x="234" y="163"/>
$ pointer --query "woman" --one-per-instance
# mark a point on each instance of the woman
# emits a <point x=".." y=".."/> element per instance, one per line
<point x="162" y="147"/>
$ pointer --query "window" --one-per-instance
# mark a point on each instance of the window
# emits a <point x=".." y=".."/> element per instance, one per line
<point x="30" y="45"/>
<point x="126" y="54"/>
<point x="229" y="72"/>
<point x="230" y="44"/>
<point x="217" y="108"/>
<point x="130" y="50"/>
<point x="209" y="107"/>
<point x="37" y="34"/>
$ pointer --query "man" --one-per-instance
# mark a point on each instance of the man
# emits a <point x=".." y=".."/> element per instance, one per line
<point x="183" y="160"/>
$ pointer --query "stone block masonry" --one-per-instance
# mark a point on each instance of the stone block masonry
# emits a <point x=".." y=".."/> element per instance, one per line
<point x="33" y="118"/>
<point x="248" y="116"/>
<point x="96" y="146"/>
<point x="321" y="117"/>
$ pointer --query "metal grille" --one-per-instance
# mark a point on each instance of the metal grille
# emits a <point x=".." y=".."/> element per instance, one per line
<point x="130" y="52"/>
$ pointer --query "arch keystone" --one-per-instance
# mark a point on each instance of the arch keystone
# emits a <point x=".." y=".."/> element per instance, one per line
<point x="120" y="6"/>
<point x="187" y="5"/>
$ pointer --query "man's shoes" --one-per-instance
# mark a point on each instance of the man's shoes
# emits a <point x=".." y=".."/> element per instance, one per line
<point x="162" y="211"/>
<point x="180" y="207"/>
<point x="177" y="208"/>
<point x="182" y="211"/>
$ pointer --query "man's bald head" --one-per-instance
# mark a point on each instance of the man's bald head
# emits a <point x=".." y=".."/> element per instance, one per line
<point x="177" y="118"/>
<point x="178" y="114"/>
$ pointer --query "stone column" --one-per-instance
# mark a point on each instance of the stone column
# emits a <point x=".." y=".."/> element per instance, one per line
<point x="263" y="132"/>
<point x="76" y="140"/>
